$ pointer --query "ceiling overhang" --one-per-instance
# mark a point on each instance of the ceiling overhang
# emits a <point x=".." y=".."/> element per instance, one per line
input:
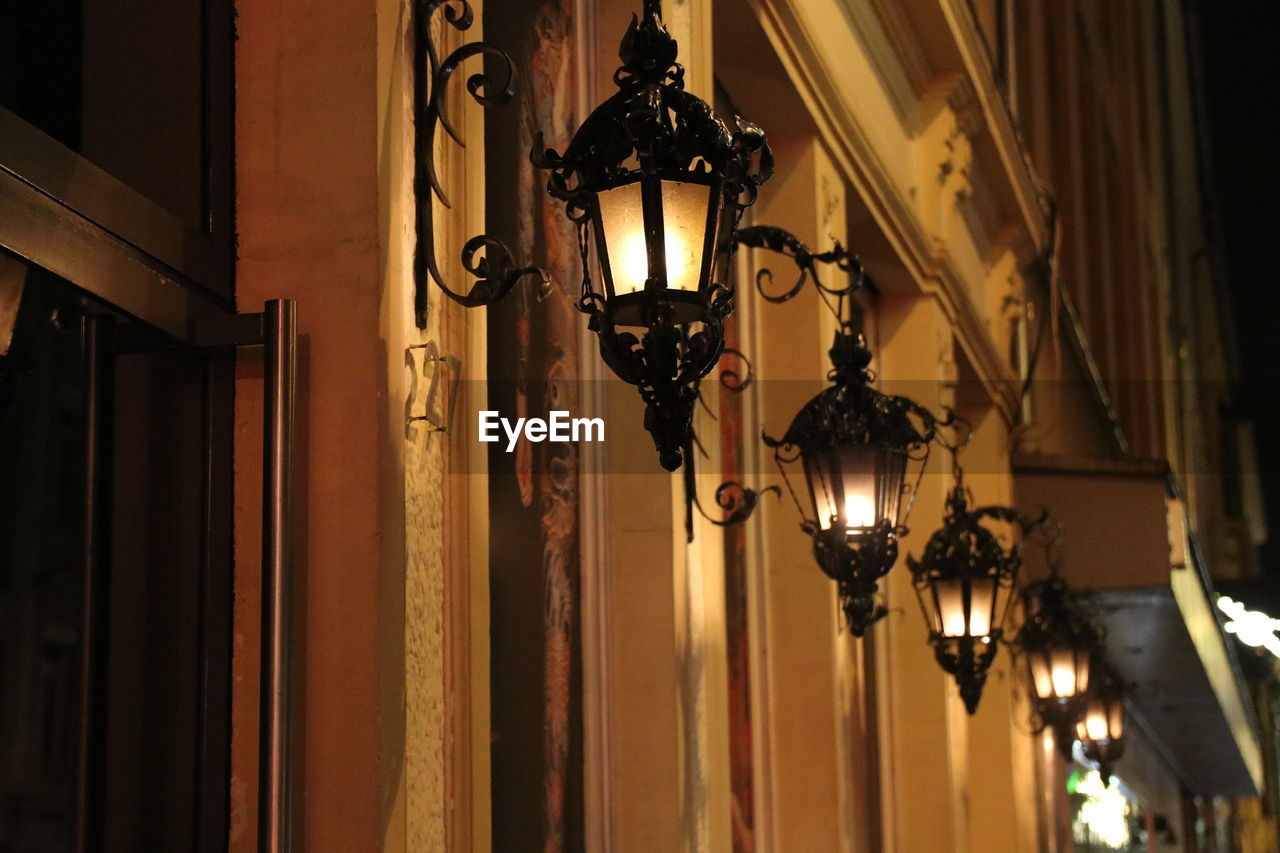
<point x="1124" y="542"/>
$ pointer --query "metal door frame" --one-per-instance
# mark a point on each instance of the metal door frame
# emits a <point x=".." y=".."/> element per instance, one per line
<point x="199" y="257"/>
<point x="62" y="213"/>
<point x="202" y="326"/>
<point x="275" y="329"/>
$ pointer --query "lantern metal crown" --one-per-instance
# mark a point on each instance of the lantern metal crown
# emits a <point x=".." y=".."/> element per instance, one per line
<point x="965" y="581"/>
<point x="656" y="184"/>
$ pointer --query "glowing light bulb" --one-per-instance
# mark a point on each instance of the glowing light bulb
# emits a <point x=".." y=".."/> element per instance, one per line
<point x="953" y="624"/>
<point x="1095" y="726"/>
<point x="1064" y="681"/>
<point x="631" y="270"/>
<point x="980" y="620"/>
<point x="679" y="258"/>
<point x="859" y="511"/>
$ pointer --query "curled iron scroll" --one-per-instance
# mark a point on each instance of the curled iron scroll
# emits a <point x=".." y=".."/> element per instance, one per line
<point x="737" y="499"/>
<point x="738" y="502"/>
<point x="496" y="271"/>
<point x="784" y="242"/>
<point x="732" y="379"/>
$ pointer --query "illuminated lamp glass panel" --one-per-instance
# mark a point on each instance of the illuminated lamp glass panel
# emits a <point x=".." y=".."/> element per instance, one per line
<point x="968" y="607"/>
<point x="855" y="486"/>
<point x="686" y="224"/>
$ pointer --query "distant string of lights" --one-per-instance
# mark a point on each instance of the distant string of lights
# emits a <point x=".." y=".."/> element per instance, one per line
<point x="1104" y="814"/>
<point x="1251" y="627"/>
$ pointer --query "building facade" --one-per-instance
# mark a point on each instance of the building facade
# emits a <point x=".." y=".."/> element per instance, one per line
<point x="543" y="644"/>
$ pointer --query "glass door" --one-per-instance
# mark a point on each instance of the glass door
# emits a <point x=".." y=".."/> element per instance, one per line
<point x="115" y="576"/>
<point x="117" y="337"/>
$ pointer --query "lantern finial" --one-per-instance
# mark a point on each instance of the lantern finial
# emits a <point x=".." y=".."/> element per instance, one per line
<point x="850" y="358"/>
<point x="648" y="51"/>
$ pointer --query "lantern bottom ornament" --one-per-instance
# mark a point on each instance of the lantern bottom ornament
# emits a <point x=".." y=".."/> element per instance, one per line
<point x="666" y="363"/>
<point x="969" y="660"/>
<point x="856" y="563"/>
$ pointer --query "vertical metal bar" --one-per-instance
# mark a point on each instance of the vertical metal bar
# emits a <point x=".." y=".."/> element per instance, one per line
<point x="424" y="67"/>
<point x="95" y="337"/>
<point x="654" y="229"/>
<point x="212" y="807"/>
<point x="274" y="791"/>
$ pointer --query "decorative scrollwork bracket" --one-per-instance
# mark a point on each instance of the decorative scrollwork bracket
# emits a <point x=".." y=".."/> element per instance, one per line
<point x="486" y="258"/>
<point x="785" y="243"/>
<point x="738" y="500"/>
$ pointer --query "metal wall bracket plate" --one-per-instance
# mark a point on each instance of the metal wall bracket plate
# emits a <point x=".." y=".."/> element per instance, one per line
<point x="442" y="374"/>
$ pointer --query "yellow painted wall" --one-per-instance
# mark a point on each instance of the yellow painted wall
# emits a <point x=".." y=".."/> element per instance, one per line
<point x="894" y="139"/>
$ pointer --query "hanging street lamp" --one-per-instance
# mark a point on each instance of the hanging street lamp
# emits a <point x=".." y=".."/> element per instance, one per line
<point x="854" y="443"/>
<point x="1101" y="730"/>
<point x="1060" y="644"/>
<point x="656" y="184"/>
<point x="965" y="582"/>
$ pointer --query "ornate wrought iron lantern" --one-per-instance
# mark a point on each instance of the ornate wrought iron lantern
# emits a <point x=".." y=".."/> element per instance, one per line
<point x="1101" y="729"/>
<point x="965" y="582"/>
<point x="656" y="184"/>
<point x="855" y="444"/>
<point x="1059" y="643"/>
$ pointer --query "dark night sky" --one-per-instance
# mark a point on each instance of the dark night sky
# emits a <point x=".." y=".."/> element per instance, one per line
<point x="1239" y="70"/>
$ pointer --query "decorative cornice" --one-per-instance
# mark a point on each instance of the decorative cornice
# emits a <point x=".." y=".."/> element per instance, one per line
<point x="898" y="32"/>
<point x="962" y="98"/>
<point x="890" y="43"/>
<point x="849" y="144"/>
<point x="981" y="213"/>
<point x="863" y="167"/>
<point x="1001" y="132"/>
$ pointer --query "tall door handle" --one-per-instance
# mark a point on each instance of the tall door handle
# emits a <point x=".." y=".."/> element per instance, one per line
<point x="275" y="794"/>
<point x="275" y="329"/>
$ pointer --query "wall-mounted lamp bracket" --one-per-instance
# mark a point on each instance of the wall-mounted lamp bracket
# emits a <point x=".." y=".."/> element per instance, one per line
<point x="854" y="443"/>
<point x="486" y="258"/>
<point x="738" y="500"/>
<point x="784" y="242"/>
<point x="442" y="373"/>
